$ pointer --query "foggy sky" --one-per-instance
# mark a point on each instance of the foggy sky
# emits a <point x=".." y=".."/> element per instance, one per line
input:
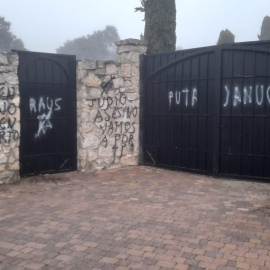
<point x="44" y="25"/>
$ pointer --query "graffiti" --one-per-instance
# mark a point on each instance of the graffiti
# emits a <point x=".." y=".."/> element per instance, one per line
<point x="108" y="102"/>
<point x="115" y="117"/>
<point x="259" y="95"/>
<point x="188" y="97"/>
<point x="44" y="123"/>
<point x="121" y="142"/>
<point x="117" y="127"/>
<point x="7" y="92"/>
<point x="8" y="108"/>
<point x="7" y="129"/>
<point x="44" y="108"/>
<point x="104" y="142"/>
<point x="8" y="111"/>
<point x="44" y="104"/>
<point x="246" y="95"/>
<point x="126" y="112"/>
<point x="107" y="86"/>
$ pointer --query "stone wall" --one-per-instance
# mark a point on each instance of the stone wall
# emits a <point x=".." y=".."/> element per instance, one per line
<point x="108" y="109"/>
<point x="9" y="117"/>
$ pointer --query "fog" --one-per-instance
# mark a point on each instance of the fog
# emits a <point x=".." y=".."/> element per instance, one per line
<point x="44" y="25"/>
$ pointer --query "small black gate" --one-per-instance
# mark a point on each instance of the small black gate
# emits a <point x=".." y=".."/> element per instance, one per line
<point x="208" y="110"/>
<point x="47" y="84"/>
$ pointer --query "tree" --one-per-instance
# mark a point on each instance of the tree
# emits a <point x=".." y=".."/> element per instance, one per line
<point x="265" y="29"/>
<point x="8" y="40"/>
<point x="160" y="25"/>
<point x="226" y="37"/>
<point x="98" y="46"/>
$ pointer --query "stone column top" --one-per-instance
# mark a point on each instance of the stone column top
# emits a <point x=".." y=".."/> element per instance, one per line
<point x="131" y="45"/>
<point x="131" y="41"/>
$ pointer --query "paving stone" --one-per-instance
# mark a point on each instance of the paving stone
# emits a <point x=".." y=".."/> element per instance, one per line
<point x="134" y="218"/>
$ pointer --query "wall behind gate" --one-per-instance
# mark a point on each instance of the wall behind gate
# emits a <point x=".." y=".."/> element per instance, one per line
<point x="9" y="117"/>
<point x="108" y="109"/>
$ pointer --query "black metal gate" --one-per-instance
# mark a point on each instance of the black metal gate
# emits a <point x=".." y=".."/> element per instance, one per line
<point x="208" y="110"/>
<point x="47" y="84"/>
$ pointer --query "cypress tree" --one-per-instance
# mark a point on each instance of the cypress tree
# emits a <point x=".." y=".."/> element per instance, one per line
<point x="265" y="29"/>
<point x="160" y="25"/>
<point x="225" y="37"/>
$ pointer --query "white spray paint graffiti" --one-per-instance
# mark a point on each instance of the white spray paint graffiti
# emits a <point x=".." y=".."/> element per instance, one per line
<point x="44" y="123"/>
<point x="245" y="95"/>
<point x="44" y="107"/>
<point x="236" y="96"/>
<point x="176" y="95"/>
<point x="259" y="102"/>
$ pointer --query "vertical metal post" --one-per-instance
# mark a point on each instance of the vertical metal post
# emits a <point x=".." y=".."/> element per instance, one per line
<point x="142" y="100"/>
<point x="73" y="76"/>
<point x="216" y="109"/>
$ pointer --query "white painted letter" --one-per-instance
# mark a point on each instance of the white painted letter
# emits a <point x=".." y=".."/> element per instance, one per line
<point x="32" y="104"/>
<point x="186" y="91"/>
<point x="178" y="99"/>
<point x="259" y="102"/>
<point x="41" y="104"/>
<point x="236" y="96"/>
<point x="248" y="96"/>
<point x="194" y="96"/>
<point x="227" y="97"/>
<point x="58" y="108"/>
<point x="47" y="102"/>
<point x="170" y="99"/>
<point x="268" y="94"/>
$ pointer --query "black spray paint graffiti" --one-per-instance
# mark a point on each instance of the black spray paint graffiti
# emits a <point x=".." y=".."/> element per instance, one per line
<point x="44" y="107"/>
<point x="7" y="92"/>
<point x="124" y="140"/>
<point x="108" y="102"/>
<point x="107" y="86"/>
<point x="7" y="119"/>
<point x="115" y="116"/>
<point x="117" y="113"/>
<point x="117" y="127"/>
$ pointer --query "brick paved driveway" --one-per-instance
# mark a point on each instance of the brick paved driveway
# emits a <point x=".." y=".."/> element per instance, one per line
<point x="134" y="218"/>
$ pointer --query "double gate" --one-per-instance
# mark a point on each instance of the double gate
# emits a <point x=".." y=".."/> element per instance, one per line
<point x="208" y="110"/>
<point x="47" y="84"/>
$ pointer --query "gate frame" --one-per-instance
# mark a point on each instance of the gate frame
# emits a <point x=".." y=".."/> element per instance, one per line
<point x="73" y="85"/>
<point x="217" y="50"/>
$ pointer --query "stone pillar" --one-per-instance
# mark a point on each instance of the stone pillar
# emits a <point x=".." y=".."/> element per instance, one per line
<point x="128" y="54"/>
<point x="108" y="109"/>
<point x="9" y="117"/>
<point x="129" y="51"/>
